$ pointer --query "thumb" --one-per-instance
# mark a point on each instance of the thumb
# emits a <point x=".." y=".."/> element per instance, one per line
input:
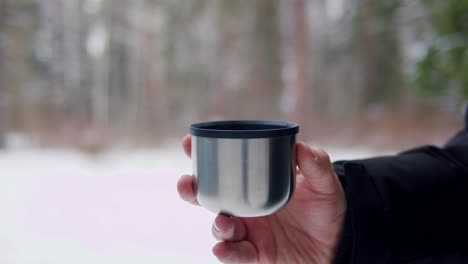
<point x="317" y="169"/>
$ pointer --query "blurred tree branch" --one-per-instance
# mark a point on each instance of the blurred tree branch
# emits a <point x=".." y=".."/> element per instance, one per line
<point x="444" y="67"/>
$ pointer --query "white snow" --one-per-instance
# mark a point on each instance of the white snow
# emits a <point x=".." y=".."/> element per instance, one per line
<point x="62" y="206"/>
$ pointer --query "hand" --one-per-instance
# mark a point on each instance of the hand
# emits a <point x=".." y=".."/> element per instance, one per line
<point x="307" y="230"/>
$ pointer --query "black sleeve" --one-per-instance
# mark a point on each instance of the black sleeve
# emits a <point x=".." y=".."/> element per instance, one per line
<point x="406" y="207"/>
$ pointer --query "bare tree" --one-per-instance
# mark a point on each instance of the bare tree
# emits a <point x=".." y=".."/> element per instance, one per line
<point x="224" y="42"/>
<point x="135" y="87"/>
<point x="152" y="99"/>
<point x="378" y="50"/>
<point x="295" y="42"/>
<point x="118" y="80"/>
<point x="56" y="99"/>
<point x="300" y="57"/>
<point x="266" y="83"/>
<point x="71" y="57"/>
<point x="3" y="101"/>
<point x="97" y="43"/>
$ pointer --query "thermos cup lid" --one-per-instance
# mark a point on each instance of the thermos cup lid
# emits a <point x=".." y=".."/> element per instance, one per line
<point x="244" y="129"/>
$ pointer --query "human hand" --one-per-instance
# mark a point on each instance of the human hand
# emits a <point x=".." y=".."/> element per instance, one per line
<point x="306" y="230"/>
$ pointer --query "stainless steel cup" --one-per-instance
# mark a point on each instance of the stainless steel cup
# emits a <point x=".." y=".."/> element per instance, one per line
<point x="244" y="168"/>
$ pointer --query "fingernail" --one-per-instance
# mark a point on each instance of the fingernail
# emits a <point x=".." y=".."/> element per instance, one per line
<point x="215" y="227"/>
<point x="180" y="178"/>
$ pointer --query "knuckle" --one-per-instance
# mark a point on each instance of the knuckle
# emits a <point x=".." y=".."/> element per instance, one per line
<point x="322" y="155"/>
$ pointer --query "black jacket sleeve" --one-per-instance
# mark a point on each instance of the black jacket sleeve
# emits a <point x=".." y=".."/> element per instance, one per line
<point x="408" y="208"/>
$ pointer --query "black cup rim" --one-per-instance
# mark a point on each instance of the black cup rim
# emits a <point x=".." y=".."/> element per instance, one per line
<point x="244" y="129"/>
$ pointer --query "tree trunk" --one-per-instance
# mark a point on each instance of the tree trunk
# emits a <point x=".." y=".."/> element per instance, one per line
<point x="71" y="45"/>
<point x="3" y="101"/>
<point x="100" y="80"/>
<point x="134" y="88"/>
<point x="220" y="107"/>
<point x="152" y="101"/>
<point x="300" y="57"/>
<point x="369" y="51"/>
<point x="266" y="78"/>
<point x="56" y="103"/>
<point x="379" y="51"/>
<point x="295" y="41"/>
<point x="316" y="69"/>
<point x="117" y="66"/>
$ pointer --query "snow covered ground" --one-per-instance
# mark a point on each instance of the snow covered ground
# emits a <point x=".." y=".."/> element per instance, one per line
<point x="65" y="207"/>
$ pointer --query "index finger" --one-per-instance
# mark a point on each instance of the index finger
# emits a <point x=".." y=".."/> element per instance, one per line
<point x="187" y="144"/>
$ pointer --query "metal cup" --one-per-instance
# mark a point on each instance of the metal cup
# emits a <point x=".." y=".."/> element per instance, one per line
<point x="244" y="168"/>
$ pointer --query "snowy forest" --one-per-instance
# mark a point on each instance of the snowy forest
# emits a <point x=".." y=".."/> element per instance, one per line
<point x="95" y="96"/>
<point x="92" y="73"/>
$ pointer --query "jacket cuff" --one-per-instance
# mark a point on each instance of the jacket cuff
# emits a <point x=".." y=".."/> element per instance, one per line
<point x="365" y="229"/>
<point x="345" y="246"/>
